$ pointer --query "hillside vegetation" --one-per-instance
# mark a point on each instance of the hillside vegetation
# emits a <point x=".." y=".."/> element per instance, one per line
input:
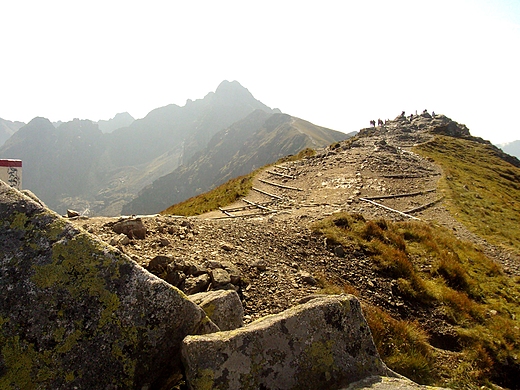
<point x="437" y="273"/>
<point x="225" y="194"/>
<point x="482" y="190"/>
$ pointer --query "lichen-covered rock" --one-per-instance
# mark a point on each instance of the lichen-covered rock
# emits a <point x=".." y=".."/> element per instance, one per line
<point x="77" y="313"/>
<point x="323" y="344"/>
<point x="223" y="307"/>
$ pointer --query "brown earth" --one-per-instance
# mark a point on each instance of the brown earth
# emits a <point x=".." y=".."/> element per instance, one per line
<point x="278" y="259"/>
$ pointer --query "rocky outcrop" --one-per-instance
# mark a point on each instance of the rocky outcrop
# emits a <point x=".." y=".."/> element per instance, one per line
<point x="441" y="124"/>
<point x="77" y="313"/>
<point x="322" y="344"/>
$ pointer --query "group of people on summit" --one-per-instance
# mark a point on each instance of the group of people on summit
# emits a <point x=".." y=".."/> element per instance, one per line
<point x="403" y="115"/>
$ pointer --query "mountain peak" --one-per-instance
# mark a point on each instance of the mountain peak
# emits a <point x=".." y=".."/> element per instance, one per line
<point x="122" y="119"/>
<point x="232" y="89"/>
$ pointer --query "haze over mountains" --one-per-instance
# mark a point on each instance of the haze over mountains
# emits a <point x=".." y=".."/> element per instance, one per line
<point x="86" y="165"/>
<point x="246" y="145"/>
<point x="123" y="119"/>
<point x="7" y="129"/>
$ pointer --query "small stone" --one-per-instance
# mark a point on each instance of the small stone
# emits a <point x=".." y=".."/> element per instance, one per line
<point x="194" y="269"/>
<point x="339" y="251"/>
<point x="219" y="277"/>
<point x="233" y="271"/>
<point x="227" y="246"/>
<point x="260" y="265"/>
<point x="197" y="284"/>
<point x="159" y="264"/>
<point x="120" y="239"/>
<point x="133" y="228"/>
<point x="213" y="264"/>
<point x="223" y="307"/>
<point x="308" y="278"/>
<point x="72" y="214"/>
<point x="176" y="278"/>
<point x="164" y="242"/>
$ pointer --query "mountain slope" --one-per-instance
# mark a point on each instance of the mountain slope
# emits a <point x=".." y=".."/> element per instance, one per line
<point x="181" y="130"/>
<point x="78" y="166"/>
<point x="7" y="129"/>
<point x="123" y="119"/>
<point x="442" y="303"/>
<point x="257" y="140"/>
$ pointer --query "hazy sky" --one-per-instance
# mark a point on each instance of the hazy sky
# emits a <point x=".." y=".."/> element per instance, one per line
<point x="335" y="63"/>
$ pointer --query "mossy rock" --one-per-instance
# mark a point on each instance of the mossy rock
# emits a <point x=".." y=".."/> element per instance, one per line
<point x="322" y="344"/>
<point x="77" y="313"/>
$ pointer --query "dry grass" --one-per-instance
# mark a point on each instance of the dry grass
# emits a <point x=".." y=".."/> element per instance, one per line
<point x="403" y="345"/>
<point x="221" y="196"/>
<point x="436" y="271"/>
<point x="482" y="190"/>
<point x="225" y="194"/>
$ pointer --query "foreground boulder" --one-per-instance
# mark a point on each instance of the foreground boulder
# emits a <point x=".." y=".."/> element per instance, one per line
<point x="322" y="344"/>
<point x="77" y="313"/>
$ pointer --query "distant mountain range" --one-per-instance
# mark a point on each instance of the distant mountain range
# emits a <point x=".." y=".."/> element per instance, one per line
<point x="260" y="138"/>
<point x="8" y="128"/>
<point x="123" y="119"/>
<point x="97" y="166"/>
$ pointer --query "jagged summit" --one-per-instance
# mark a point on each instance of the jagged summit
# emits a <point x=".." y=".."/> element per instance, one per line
<point x="122" y="119"/>
<point x="414" y="129"/>
<point x="424" y="123"/>
<point x="231" y="87"/>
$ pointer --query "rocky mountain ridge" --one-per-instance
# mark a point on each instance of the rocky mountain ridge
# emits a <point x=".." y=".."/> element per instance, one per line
<point x="259" y="139"/>
<point x="266" y="254"/>
<point x="116" y="165"/>
<point x="266" y="249"/>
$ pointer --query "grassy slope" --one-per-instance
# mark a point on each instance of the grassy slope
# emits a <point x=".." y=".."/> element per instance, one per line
<point x="481" y="302"/>
<point x="434" y="270"/>
<point x="482" y="191"/>
<point x="437" y="272"/>
<point x="225" y="194"/>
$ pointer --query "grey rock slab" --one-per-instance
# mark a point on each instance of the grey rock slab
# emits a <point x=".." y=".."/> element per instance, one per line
<point x="323" y="344"/>
<point x="223" y="307"/>
<point x="77" y="313"/>
<point x="388" y="383"/>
